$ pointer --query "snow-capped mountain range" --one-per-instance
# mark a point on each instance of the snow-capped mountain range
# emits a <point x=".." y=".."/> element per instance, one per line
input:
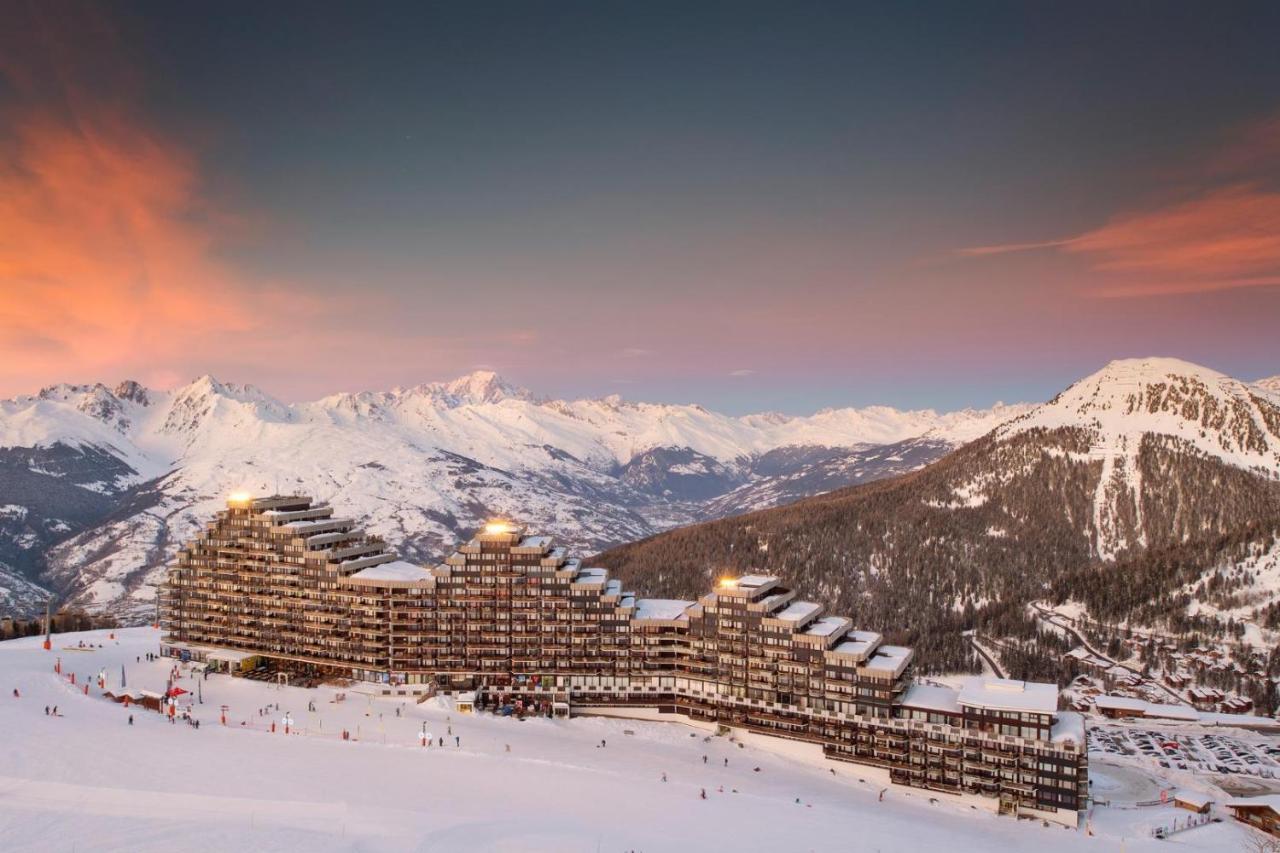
<point x="100" y="485"/>
<point x="1148" y="476"/>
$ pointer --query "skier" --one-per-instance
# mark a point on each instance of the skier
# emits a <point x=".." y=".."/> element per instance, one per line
<point x="16" y="695"/>
<point x="664" y="776"/>
<point x="602" y="743"/>
<point x="442" y="740"/>
<point x="131" y="719"/>
<point x="704" y="794"/>
<point x="55" y="710"/>
<point x="508" y="747"/>
<point x="881" y="795"/>
<point x="704" y="759"/>
<point x="46" y="710"/>
<point x="457" y="740"/>
<point x="726" y="762"/>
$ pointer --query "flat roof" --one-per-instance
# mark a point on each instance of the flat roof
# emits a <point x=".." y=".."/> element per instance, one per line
<point x="797" y="611"/>
<point x="858" y="643"/>
<point x="889" y="659"/>
<point x="755" y="580"/>
<point x="929" y="697"/>
<point x="1068" y="728"/>
<point x="396" y="570"/>
<point x="1006" y="694"/>
<point x="1268" y="801"/>
<point x="1121" y="703"/>
<point x="660" y="608"/>
<point x="827" y="625"/>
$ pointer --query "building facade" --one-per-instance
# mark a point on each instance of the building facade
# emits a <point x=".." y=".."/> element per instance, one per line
<point x="518" y="618"/>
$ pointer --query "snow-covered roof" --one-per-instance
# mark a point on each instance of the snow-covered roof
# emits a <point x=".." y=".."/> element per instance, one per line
<point x="889" y="659"/>
<point x="660" y="608"/>
<point x="858" y="643"/>
<point x="1172" y="712"/>
<point x="591" y="575"/>
<point x="1120" y="703"/>
<point x="1005" y="694"/>
<point x="534" y="542"/>
<point x="753" y="581"/>
<point x="396" y="570"/>
<point x="1068" y="727"/>
<point x="797" y="611"/>
<point x="826" y="626"/>
<point x="1198" y="799"/>
<point x="1270" y="801"/>
<point x="929" y="697"/>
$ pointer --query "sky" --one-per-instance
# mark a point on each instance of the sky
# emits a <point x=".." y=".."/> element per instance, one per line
<point x="753" y="206"/>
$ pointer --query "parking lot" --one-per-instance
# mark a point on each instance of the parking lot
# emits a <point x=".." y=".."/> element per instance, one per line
<point x="1194" y="751"/>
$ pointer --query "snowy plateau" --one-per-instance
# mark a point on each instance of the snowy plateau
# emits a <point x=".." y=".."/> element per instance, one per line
<point x="99" y="486"/>
<point x="87" y="779"/>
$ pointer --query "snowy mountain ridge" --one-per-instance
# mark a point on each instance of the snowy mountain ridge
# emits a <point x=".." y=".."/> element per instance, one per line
<point x="419" y="465"/>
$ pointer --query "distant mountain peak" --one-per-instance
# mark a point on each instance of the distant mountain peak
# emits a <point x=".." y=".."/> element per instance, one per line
<point x="484" y="386"/>
<point x="133" y="391"/>
<point x="1132" y="398"/>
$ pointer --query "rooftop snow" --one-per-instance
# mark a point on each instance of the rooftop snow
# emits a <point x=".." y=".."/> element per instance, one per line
<point x="396" y="570"/>
<point x="798" y="611"/>
<point x="591" y="575"/>
<point x="1004" y="694"/>
<point x="826" y="626"/>
<point x="889" y="658"/>
<point x="1120" y="703"/>
<point x="927" y="697"/>
<point x="858" y="643"/>
<point x="1068" y="727"/>
<point x="660" y="608"/>
<point x="752" y="581"/>
<point x="1271" y="801"/>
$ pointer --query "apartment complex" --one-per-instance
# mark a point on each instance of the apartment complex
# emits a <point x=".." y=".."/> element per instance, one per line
<point x="516" y="617"/>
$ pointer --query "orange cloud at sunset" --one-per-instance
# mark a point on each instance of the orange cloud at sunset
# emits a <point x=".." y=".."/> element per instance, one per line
<point x="1222" y="238"/>
<point x="107" y="250"/>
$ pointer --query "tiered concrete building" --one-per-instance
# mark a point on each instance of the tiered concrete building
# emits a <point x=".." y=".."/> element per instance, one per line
<point x="519" y="619"/>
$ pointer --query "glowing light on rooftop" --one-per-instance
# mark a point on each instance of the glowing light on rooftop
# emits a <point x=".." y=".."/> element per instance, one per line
<point x="239" y="498"/>
<point x="498" y="527"/>
<point x="728" y="583"/>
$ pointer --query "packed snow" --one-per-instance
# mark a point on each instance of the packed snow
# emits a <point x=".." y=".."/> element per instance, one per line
<point x="86" y="779"/>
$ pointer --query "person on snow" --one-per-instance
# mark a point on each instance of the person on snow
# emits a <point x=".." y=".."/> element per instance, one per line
<point x="704" y="759"/>
<point x="726" y="762"/>
<point x="664" y="776"/>
<point x="131" y="719"/>
<point x="704" y="794"/>
<point x="46" y="710"/>
<point x="457" y="740"/>
<point x="16" y="694"/>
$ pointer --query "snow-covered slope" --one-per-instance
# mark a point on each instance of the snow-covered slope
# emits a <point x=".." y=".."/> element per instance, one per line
<point x="1133" y="406"/>
<point x="421" y="465"/>
<point x="1223" y="417"/>
<point x="88" y="780"/>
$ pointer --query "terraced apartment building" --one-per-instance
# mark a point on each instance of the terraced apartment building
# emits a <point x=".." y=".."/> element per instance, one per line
<point x="517" y="617"/>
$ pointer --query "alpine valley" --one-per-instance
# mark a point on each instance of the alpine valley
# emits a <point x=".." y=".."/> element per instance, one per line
<point x="99" y="485"/>
<point x="1146" y="494"/>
